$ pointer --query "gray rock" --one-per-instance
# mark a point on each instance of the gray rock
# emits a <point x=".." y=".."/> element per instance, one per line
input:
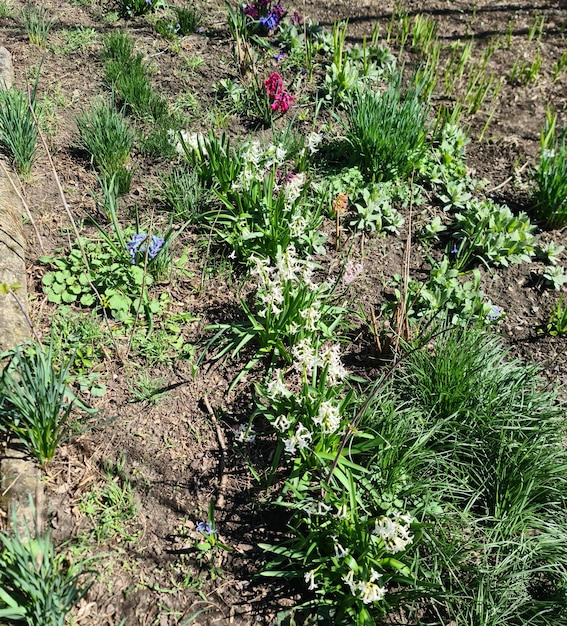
<point x="6" y="69"/>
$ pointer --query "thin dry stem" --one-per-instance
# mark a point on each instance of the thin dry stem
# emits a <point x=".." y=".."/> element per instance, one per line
<point x="24" y="313"/>
<point x="75" y="229"/>
<point x="375" y="330"/>
<point x="223" y="479"/>
<point x="25" y="205"/>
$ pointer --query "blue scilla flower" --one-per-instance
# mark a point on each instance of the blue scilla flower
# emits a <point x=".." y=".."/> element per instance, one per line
<point x="270" y="21"/>
<point x="135" y="247"/>
<point x="206" y="528"/>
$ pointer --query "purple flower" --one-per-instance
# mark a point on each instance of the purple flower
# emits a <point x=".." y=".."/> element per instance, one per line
<point x="279" y="56"/>
<point x="251" y="11"/>
<point x="296" y="19"/>
<point x="206" y="528"/>
<point x="454" y="249"/>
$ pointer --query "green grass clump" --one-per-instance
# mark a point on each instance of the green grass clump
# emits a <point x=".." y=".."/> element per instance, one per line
<point x="35" y="401"/>
<point x="387" y="132"/>
<point x="183" y="193"/>
<point x="188" y="20"/>
<point x="18" y="132"/>
<point x="36" y="22"/>
<point x="127" y="74"/>
<point x="488" y="455"/>
<point x="37" y="586"/>
<point x="105" y="134"/>
<point x="550" y="197"/>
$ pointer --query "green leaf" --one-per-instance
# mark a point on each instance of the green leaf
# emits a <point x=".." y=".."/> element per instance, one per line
<point x="54" y="297"/>
<point x="68" y="297"/>
<point x="87" y="299"/>
<point x="48" y="279"/>
<point x="58" y="287"/>
<point x="98" y="390"/>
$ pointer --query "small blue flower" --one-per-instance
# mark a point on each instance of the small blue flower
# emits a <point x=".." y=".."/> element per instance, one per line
<point x="494" y="313"/>
<point x="270" y="21"/>
<point x="206" y="528"/>
<point x="454" y="249"/>
<point x="279" y="56"/>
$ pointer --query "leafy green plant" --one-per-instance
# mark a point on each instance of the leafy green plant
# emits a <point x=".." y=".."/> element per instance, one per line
<point x="387" y="132"/>
<point x="37" y="586"/>
<point x="447" y="294"/>
<point x="105" y="135"/>
<point x="36" y="22"/>
<point x="354" y="68"/>
<point x="116" y="271"/>
<point x="36" y="403"/>
<point x="445" y="163"/>
<point x="18" y="132"/>
<point x="120" y="283"/>
<point x="375" y="211"/>
<point x="82" y="337"/>
<point x="549" y="252"/>
<point x="456" y="195"/>
<point x="555" y="276"/>
<point x="550" y="178"/>
<point x="431" y="230"/>
<point x="134" y="8"/>
<point x="494" y="234"/>
<point x="557" y="324"/>
<point x="165" y="344"/>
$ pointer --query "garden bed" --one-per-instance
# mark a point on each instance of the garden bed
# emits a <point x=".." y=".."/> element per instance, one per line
<point x="200" y="455"/>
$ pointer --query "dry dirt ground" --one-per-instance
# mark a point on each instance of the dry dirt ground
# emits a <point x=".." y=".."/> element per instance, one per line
<point x="178" y="451"/>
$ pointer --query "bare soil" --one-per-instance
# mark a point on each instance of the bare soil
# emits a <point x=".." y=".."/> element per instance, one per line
<point x="179" y="452"/>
